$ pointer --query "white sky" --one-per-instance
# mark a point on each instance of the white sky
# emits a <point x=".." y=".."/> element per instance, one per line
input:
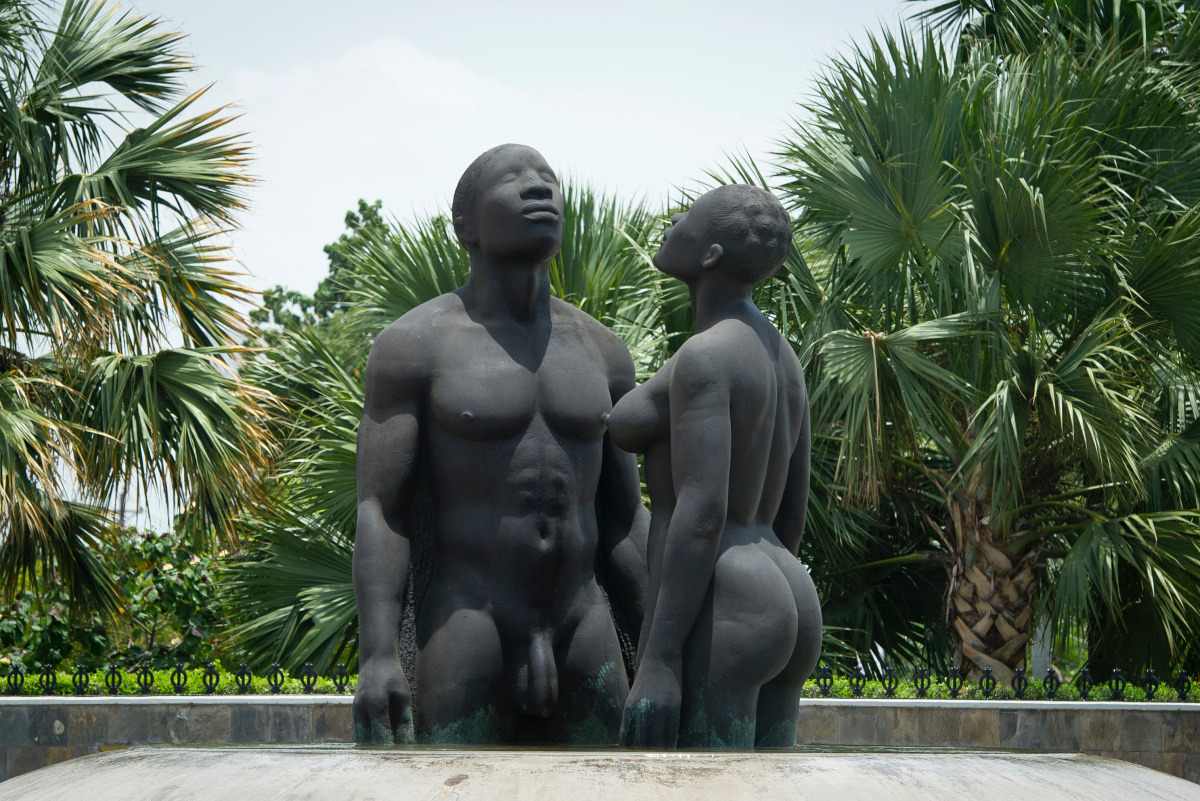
<point x="391" y="100"/>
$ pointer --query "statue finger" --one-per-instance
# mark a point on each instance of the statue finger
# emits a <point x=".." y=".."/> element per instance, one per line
<point x="400" y="715"/>
<point x="371" y="722"/>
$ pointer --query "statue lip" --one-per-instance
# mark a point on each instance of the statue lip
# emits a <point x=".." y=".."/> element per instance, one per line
<point x="540" y="212"/>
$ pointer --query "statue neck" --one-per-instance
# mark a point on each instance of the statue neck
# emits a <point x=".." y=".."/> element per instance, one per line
<point x="516" y="291"/>
<point x="716" y="298"/>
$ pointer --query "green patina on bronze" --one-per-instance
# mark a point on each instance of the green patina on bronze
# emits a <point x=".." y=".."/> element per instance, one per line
<point x="697" y="730"/>
<point x="484" y="727"/>
<point x="590" y="717"/>
<point x="601" y="715"/>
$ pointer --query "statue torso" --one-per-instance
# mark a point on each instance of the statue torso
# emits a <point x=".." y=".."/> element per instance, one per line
<point x="512" y="428"/>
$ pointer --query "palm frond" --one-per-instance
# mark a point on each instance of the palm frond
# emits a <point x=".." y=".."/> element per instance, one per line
<point x="295" y="593"/>
<point x="32" y="443"/>
<point x="183" y="286"/>
<point x="882" y="390"/>
<point x="189" y="166"/>
<point x="1162" y="272"/>
<point x="396" y="271"/>
<point x="1172" y="470"/>
<point x="56" y="283"/>
<point x="1083" y="394"/>
<point x="59" y="545"/>
<point x="1031" y="185"/>
<point x="175" y="420"/>
<point x="875" y="182"/>
<point x="1116" y="564"/>
<point x="95" y="43"/>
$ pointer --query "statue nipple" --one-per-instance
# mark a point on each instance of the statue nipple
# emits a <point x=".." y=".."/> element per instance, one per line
<point x="467" y="417"/>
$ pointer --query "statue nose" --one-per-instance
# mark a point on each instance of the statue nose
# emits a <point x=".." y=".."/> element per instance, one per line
<point x="536" y="189"/>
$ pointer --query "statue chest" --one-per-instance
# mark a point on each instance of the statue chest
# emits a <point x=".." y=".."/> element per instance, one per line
<point x="481" y="391"/>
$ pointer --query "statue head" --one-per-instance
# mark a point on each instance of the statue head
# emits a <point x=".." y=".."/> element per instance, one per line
<point x="740" y="231"/>
<point x="508" y="206"/>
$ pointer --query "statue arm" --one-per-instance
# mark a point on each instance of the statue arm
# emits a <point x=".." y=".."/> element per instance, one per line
<point x="621" y="518"/>
<point x="700" y="455"/>
<point x="386" y="459"/>
<point x="623" y="524"/>
<point x="789" y="520"/>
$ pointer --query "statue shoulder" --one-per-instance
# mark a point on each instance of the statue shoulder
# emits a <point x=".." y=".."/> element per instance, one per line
<point x="701" y="365"/>
<point x="403" y="354"/>
<point x="613" y="351"/>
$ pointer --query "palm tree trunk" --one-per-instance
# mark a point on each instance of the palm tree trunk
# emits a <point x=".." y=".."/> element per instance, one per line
<point x="990" y="600"/>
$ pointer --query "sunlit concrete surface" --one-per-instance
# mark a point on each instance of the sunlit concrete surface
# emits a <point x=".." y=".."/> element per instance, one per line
<point x="260" y="773"/>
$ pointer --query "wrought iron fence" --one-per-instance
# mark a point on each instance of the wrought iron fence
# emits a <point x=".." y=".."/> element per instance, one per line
<point x="209" y="679"/>
<point x="1021" y="685"/>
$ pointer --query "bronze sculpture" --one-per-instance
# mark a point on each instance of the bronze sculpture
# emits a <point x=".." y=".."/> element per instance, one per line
<point x="490" y="434"/>
<point x="496" y="397"/>
<point x="733" y="624"/>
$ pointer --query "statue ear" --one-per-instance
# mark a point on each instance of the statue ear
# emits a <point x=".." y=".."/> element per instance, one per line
<point x="465" y="235"/>
<point x="712" y="257"/>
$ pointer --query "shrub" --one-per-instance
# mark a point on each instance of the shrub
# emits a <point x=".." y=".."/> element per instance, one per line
<point x="169" y="611"/>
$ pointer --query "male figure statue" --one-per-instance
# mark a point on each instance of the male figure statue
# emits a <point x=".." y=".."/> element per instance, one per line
<point x="499" y="394"/>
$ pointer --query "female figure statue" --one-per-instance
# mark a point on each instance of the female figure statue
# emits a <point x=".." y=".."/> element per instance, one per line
<point x="733" y="623"/>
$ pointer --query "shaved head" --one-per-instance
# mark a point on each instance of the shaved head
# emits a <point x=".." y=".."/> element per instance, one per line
<point x="750" y="225"/>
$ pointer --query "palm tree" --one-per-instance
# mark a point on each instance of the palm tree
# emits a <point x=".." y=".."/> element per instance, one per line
<point x="1007" y="273"/>
<point x="110" y="252"/>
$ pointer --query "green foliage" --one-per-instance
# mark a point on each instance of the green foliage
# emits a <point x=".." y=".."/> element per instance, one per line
<point x="1002" y="247"/>
<point x="295" y="595"/>
<point x="291" y="310"/>
<point x="108" y="247"/>
<point x="169" y="610"/>
<point x="172" y="614"/>
<point x="362" y="226"/>
<point x="39" y="630"/>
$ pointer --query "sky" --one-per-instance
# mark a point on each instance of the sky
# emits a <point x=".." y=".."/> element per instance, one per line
<point x="392" y="100"/>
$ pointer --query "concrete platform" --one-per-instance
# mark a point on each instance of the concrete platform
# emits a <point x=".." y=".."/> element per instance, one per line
<point x="263" y="773"/>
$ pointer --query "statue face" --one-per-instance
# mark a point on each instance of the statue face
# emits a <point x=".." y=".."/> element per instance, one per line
<point x="685" y="242"/>
<point x="518" y="209"/>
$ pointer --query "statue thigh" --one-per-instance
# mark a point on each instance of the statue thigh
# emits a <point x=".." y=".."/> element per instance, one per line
<point x="466" y="693"/>
<point x="593" y="683"/>
<point x="460" y="680"/>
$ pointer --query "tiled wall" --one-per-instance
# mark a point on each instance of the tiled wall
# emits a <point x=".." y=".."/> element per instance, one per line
<point x="35" y="732"/>
<point x="1163" y="736"/>
<point x="43" y="731"/>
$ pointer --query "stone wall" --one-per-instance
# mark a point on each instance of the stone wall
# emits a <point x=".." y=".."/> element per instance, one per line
<point x="1165" y="736"/>
<point x="35" y="732"/>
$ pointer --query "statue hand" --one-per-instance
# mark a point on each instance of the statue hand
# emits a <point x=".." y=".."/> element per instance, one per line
<point x="651" y="717"/>
<point x="382" y="704"/>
